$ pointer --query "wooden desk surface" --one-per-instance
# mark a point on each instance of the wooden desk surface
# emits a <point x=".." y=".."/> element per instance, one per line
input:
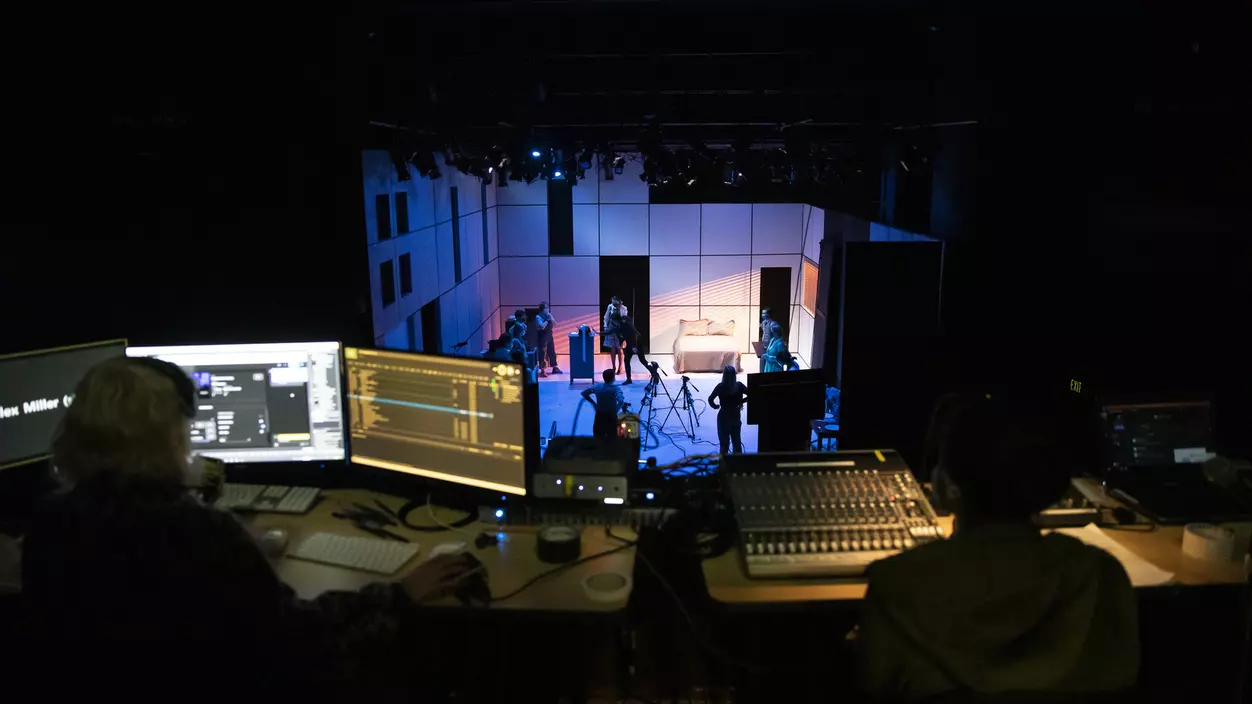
<point x="728" y="583"/>
<point x="509" y="564"/>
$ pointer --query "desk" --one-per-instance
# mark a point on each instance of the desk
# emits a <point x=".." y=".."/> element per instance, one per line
<point x="509" y="564"/>
<point x="728" y="583"/>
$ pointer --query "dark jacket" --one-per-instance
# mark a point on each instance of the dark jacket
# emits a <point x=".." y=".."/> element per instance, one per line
<point x="134" y="585"/>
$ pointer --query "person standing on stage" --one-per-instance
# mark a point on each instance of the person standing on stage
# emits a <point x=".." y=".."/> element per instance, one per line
<point x="732" y="395"/>
<point x="546" y="356"/>
<point x="612" y="320"/>
<point x="629" y="335"/>
<point x="769" y="327"/>
<point x="607" y="399"/>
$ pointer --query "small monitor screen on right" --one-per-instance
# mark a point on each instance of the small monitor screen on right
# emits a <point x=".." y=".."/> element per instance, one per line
<point x="455" y="419"/>
<point x="1158" y="434"/>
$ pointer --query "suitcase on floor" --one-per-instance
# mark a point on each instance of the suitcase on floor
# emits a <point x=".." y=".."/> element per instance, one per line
<point x="582" y="354"/>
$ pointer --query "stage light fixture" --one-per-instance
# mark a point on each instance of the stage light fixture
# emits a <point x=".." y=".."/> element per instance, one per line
<point x="556" y="174"/>
<point x="401" y="164"/>
<point x="584" y="159"/>
<point x="536" y="153"/>
<point x="619" y="164"/>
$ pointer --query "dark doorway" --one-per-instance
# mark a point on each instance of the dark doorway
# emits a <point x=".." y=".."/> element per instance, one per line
<point x="628" y="279"/>
<point x="432" y="333"/>
<point x="776" y="295"/>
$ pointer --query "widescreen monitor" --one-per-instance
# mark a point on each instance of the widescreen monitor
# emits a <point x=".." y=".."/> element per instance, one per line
<point x="35" y="390"/>
<point x="454" y="419"/>
<point x="257" y="403"/>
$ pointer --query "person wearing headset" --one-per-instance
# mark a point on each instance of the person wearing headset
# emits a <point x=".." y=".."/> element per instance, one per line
<point x="125" y="567"/>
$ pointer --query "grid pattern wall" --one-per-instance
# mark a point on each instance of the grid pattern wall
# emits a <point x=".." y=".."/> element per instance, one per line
<point x="705" y="259"/>
<point x="422" y="261"/>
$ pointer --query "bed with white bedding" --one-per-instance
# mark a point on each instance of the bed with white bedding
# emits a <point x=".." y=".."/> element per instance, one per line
<point x="705" y="346"/>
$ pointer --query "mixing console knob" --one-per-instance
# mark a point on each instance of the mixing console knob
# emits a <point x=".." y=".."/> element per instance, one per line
<point x="770" y="547"/>
<point x="876" y="543"/>
<point x="825" y="546"/>
<point x="896" y="543"/>
<point x="791" y="548"/>
<point x="812" y="546"/>
<point x="747" y="547"/>
<point x="908" y="542"/>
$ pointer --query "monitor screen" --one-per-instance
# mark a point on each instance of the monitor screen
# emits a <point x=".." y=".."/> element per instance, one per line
<point x="35" y="389"/>
<point x="1158" y="434"/>
<point x="275" y="402"/>
<point x="455" y="419"/>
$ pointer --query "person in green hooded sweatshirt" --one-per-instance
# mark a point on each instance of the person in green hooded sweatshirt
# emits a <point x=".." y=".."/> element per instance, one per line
<point x="998" y="607"/>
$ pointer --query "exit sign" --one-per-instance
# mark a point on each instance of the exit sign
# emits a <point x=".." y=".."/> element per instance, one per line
<point x="1075" y="386"/>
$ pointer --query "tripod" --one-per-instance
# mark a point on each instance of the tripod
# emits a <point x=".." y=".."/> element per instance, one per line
<point x="688" y="403"/>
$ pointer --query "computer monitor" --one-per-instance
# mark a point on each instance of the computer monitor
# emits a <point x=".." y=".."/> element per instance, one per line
<point x="35" y="389"/>
<point x="275" y="402"/>
<point x="454" y="419"/>
<point x="1158" y="434"/>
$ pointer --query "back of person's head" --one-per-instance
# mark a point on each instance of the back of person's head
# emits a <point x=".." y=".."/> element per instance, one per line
<point x="126" y="418"/>
<point x="520" y="314"/>
<point x="728" y="375"/>
<point x="1007" y="457"/>
<point x="608" y="376"/>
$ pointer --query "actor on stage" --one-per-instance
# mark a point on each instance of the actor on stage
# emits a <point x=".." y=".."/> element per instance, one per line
<point x="546" y="356"/>
<point x="612" y="320"/>
<point x="607" y="398"/>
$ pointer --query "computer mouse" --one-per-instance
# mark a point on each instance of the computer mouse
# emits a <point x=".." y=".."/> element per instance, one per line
<point x="273" y="541"/>
<point x="446" y="549"/>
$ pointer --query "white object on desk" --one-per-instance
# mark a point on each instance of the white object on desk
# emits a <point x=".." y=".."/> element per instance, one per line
<point x="1141" y="572"/>
<point x="1205" y="541"/>
<point x="445" y="549"/>
<point x="368" y="554"/>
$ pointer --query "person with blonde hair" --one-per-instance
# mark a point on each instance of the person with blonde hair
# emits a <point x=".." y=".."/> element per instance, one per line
<point x="134" y="583"/>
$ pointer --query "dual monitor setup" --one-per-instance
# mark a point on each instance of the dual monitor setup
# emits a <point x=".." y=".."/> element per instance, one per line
<point x="452" y="419"/>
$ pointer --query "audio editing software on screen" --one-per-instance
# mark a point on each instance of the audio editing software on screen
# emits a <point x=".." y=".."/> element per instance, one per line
<point x="451" y="418"/>
<point x="262" y="403"/>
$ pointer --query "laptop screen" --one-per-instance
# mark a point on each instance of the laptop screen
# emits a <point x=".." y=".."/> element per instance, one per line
<point x="1158" y="434"/>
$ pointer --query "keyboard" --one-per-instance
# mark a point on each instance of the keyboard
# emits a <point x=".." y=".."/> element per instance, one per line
<point x="366" y="554"/>
<point x="268" y="499"/>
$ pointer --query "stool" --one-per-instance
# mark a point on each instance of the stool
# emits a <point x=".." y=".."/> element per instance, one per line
<point x="827" y="435"/>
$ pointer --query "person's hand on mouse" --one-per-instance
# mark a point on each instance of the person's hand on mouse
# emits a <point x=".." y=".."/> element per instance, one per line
<point x="435" y="577"/>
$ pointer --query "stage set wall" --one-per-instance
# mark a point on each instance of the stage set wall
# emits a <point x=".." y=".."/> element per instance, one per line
<point x="705" y="259"/>
<point x="468" y="307"/>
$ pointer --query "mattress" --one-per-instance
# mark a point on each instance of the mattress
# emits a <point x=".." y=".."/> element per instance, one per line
<point x="705" y="353"/>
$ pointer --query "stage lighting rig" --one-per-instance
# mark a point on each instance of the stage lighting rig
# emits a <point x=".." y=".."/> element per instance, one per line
<point x="401" y="164"/>
<point x="619" y="164"/>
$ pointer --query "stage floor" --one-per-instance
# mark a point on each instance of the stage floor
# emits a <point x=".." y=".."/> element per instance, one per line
<point x="558" y="402"/>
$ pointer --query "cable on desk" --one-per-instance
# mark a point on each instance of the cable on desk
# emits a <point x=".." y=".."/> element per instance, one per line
<point x="403" y="516"/>
<point x="560" y="568"/>
<point x="430" y="510"/>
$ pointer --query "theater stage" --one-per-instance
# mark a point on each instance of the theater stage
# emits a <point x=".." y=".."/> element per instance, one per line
<point x="558" y="402"/>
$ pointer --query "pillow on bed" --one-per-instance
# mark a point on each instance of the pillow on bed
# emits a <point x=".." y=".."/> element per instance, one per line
<point x="726" y="328"/>
<point x="693" y="327"/>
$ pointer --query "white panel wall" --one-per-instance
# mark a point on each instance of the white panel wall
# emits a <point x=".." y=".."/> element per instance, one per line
<point x="523" y="230"/>
<point x="523" y="281"/>
<point x="739" y="314"/>
<point x="493" y="233"/>
<point x="777" y="228"/>
<point x="674" y="229"/>
<point x="623" y="230"/>
<point x="379" y="176"/>
<point x="625" y="187"/>
<point x="467" y="309"/>
<point x="674" y="281"/>
<point x="725" y="228"/>
<point x="664" y="326"/>
<point x="443" y="253"/>
<point x="814" y="230"/>
<point x="384" y="318"/>
<point x="568" y="318"/>
<point x="518" y="193"/>
<point x="586" y="230"/>
<point x="471" y="231"/>
<point x="588" y="189"/>
<point x="448" y="323"/>
<point x="725" y="280"/>
<point x="574" y="281"/>
<point x="804" y="339"/>
<point x="425" y="267"/>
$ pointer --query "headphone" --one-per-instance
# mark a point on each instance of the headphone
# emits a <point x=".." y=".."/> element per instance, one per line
<point x="182" y="383"/>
